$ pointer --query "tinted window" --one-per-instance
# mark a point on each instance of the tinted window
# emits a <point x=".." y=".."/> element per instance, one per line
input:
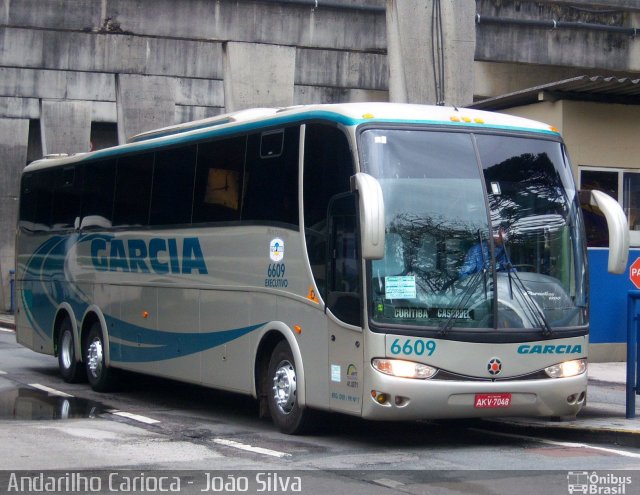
<point x="133" y="190"/>
<point x="66" y="197"/>
<point x="328" y="166"/>
<point x="172" y="194"/>
<point x="594" y="221"/>
<point x="219" y="180"/>
<point x="28" y="200"/>
<point x="44" y="201"/>
<point x="343" y="295"/>
<point x="97" y="201"/>
<point x="271" y="143"/>
<point x="272" y="183"/>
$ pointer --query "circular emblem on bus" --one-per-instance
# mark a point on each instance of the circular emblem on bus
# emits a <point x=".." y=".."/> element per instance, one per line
<point x="494" y="366"/>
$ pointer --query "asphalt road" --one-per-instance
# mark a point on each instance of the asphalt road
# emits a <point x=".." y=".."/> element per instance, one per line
<point x="210" y="441"/>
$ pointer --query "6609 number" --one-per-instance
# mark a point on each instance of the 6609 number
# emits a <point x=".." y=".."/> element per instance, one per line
<point x="413" y="347"/>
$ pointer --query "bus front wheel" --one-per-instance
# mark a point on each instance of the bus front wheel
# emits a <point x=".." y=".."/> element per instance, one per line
<point x="100" y="376"/>
<point x="282" y="392"/>
<point x="71" y="369"/>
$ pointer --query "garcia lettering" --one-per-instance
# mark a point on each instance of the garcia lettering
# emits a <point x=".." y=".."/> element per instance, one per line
<point x="550" y="349"/>
<point x="156" y="255"/>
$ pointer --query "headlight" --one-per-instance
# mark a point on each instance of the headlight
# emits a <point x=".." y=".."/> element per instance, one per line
<point x="403" y="369"/>
<point x="568" y="368"/>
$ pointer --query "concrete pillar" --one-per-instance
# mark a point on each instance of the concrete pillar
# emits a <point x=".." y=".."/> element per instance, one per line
<point x="14" y="139"/>
<point x="65" y="126"/>
<point x="257" y="75"/>
<point x="431" y="47"/>
<point x="144" y="103"/>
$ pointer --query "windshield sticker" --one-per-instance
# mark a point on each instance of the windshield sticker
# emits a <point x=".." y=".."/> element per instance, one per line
<point x="400" y="287"/>
<point x="335" y="373"/>
<point x="276" y="249"/>
<point x="380" y="139"/>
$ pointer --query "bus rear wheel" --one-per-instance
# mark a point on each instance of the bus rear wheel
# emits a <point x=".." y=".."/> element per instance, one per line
<point x="282" y="393"/>
<point x="100" y="376"/>
<point x="71" y="369"/>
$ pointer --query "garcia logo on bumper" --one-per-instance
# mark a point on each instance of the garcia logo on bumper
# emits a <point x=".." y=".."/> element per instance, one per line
<point x="550" y="349"/>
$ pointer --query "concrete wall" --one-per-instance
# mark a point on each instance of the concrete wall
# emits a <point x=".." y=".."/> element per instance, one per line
<point x="607" y="50"/>
<point x="50" y="50"/>
<point x="431" y="46"/>
<point x="14" y="136"/>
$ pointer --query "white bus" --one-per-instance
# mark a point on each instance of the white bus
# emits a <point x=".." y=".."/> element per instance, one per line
<point x="388" y="261"/>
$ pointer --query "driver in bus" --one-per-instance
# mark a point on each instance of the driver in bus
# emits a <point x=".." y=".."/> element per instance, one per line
<point x="478" y="257"/>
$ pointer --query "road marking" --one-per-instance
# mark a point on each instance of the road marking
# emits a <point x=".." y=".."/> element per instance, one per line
<point x="3" y="372"/>
<point x="388" y="483"/>
<point x="7" y="330"/>
<point x="619" y="452"/>
<point x="250" y="448"/>
<point x="135" y="417"/>
<point x="49" y="390"/>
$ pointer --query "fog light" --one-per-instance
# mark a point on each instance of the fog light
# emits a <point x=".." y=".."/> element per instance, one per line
<point x="567" y="369"/>
<point x="403" y="369"/>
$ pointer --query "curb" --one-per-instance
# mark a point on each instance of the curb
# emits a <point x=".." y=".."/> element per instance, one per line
<point x="617" y="436"/>
<point x="7" y="325"/>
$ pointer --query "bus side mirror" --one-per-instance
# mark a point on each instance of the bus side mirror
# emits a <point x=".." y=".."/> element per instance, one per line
<point x="617" y="225"/>
<point x="371" y="209"/>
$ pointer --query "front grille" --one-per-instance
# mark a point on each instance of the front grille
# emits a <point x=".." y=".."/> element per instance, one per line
<point x="448" y="375"/>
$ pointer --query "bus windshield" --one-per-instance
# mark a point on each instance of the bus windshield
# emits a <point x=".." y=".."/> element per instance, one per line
<point x="482" y="232"/>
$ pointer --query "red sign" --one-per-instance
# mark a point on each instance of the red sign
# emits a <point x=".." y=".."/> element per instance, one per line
<point x="634" y="273"/>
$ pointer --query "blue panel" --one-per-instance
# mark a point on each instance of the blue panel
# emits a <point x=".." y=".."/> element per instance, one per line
<point x="608" y="298"/>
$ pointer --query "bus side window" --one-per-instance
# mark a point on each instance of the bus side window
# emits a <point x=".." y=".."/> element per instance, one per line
<point x="272" y="180"/>
<point x="343" y="295"/>
<point x="66" y="198"/>
<point x="28" y="198"/>
<point x="44" y="201"/>
<point x="172" y="192"/>
<point x="97" y="202"/>
<point x="133" y="190"/>
<point x="218" y="187"/>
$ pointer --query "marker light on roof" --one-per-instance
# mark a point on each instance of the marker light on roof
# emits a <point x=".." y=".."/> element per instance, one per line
<point x="466" y="119"/>
<point x="554" y="129"/>
<point x="478" y="121"/>
<point x="453" y="118"/>
<point x="367" y="116"/>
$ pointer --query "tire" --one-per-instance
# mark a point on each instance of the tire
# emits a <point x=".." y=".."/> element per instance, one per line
<point x="100" y="376"/>
<point x="282" y="396"/>
<point x="71" y="369"/>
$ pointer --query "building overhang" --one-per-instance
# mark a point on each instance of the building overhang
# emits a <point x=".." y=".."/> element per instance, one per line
<point x="602" y="89"/>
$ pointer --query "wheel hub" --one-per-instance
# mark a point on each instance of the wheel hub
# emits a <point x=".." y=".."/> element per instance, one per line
<point x="66" y="350"/>
<point x="94" y="358"/>
<point x="284" y="387"/>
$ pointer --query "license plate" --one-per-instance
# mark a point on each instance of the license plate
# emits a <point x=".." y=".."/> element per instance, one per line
<point x="492" y="401"/>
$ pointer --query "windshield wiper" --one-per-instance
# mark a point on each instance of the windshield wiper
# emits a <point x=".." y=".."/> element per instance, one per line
<point x="473" y="282"/>
<point x="536" y="313"/>
<point x="470" y="289"/>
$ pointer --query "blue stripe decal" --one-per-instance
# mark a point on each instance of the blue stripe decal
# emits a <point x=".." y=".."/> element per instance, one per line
<point x="48" y="284"/>
<point x="142" y="345"/>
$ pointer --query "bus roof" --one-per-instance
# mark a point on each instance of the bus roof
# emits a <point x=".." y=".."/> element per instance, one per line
<point x="348" y="114"/>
